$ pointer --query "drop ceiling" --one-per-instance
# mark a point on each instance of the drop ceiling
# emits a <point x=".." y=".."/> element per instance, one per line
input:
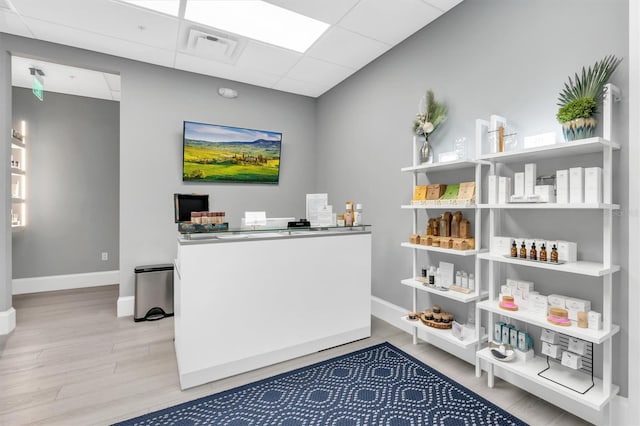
<point x="359" y="32"/>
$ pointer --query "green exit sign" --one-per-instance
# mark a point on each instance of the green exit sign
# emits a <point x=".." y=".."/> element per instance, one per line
<point x="38" y="88"/>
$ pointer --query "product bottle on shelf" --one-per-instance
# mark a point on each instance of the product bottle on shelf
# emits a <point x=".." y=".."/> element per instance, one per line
<point x="432" y="275"/>
<point x="514" y="249"/>
<point x="543" y="253"/>
<point x="523" y="251"/>
<point x="554" y="254"/>
<point x="533" y="253"/>
<point x="357" y="216"/>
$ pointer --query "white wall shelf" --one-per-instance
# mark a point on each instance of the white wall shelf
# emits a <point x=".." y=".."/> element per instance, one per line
<point x="525" y="374"/>
<point x="440" y="167"/>
<point x="469" y="340"/>
<point x="453" y="295"/>
<point x="596" y="398"/>
<point x="595" y="336"/>
<point x="18" y="172"/>
<point x="18" y="179"/>
<point x="566" y="149"/>
<point x="440" y="250"/>
<point x="18" y="200"/>
<point x="438" y="207"/>
<point x="550" y="206"/>
<point x="593" y="269"/>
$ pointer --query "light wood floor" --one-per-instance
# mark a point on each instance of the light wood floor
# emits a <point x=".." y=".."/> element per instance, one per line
<point x="70" y="361"/>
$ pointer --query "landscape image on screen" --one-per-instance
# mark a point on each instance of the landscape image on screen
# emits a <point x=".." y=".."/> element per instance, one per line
<point x="213" y="153"/>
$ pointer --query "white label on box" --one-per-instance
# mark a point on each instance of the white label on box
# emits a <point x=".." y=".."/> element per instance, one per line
<point x="546" y="193"/>
<point x="577" y="346"/>
<point x="497" y="332"/>
<point x="513" y="337"/>
<point x="511" y="283"/>
<point x="501" y="246"/>
<point x="578" y="304"/>
<point x="518" y="188"/>
<point x="595" y="320"/>
<point x="549" y="336"/>
<point x="567" y="251"/>
<point x="593" y="185"/>
<point x="576" y="185"/>
<point x="562" y="186"/>
<point x="550" y="350"/>
<point x="538" y="304"/>
<point x="529" y="178"/>
<point x="492" y="189"/>
<point x="525" y="285"/>
<point x="571" y="360"/>
<point x="557" y="301"/>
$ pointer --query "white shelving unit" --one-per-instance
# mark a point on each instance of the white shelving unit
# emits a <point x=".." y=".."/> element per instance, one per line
<point x="18" y="178"/>
<point x="471" y="339"/>
<point x="525" y="373"/>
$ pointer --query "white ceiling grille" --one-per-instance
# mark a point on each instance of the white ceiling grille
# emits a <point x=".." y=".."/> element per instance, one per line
<point x="214" y="45"/>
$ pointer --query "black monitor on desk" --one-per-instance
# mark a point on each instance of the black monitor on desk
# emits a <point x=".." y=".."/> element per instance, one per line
<point x="186" y="203"/>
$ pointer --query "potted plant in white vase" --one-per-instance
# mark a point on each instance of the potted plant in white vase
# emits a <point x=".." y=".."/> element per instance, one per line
<point x="431" y="114"/>
<point x="578" y="101"/>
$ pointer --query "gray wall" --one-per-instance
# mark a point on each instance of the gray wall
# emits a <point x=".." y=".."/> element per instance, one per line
<point x="73" y="175"/>
<point x="483" y="57"/>
<point x="154" y="103"/>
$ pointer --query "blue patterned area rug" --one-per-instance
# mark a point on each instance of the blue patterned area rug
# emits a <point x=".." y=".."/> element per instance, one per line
<point x="380" y="385"/>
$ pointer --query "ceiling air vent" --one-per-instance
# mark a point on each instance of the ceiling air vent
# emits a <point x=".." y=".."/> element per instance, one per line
<point x="214" y="45"/>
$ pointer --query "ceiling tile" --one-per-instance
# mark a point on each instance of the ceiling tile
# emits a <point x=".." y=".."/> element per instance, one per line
<point x="389" y="21"/>
<point x="227" y="71"/>
<point x="267" y="58"/>
<point x="329" y="11"/>
<point x="443" y="5"/>
<point x="347" y="48"/>
<point x="300" y="87"/>
<point x="11" y="23"/>
<point x="319" y="72"/>
<point x="108" y="18"/>
<point x="99" y="43"/>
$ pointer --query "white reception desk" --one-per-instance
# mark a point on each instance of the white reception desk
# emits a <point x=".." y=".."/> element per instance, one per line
<point x="244" y="301"/>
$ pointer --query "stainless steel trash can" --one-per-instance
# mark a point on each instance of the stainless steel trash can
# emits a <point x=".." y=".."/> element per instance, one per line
<point x="154" y="292"/>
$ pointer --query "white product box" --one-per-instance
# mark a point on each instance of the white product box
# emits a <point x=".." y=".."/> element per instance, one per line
<point x="529" y="178"/>
<point x="549" y="336"/>
<point x="519" y="299"/>
<point x="578" y="304"/>
<point x="577" y="346"/>
<point x="593" y="185"/>
<point x="505" y="291"/>
<point x="444" y="157"/>
<point x="595" y="320"/>
<point x="571" y="360"/>
<point x="504" y="190"/>
<point x="546" y="193"/>
<point x="511" y="283"/>
<point x="497" y="332"/>
<point x="538" y="304"/>
<point x="551" y="350"/>
<point x="525" y="285"/>
<point x="562" y="186"/>
<point x="539" y="140"/>
<point x="518" y="187"/>
<point x="576" y="185"/>
<point x="567" y="251"/>
<point x="501" y="246"/>
<point x="557" y="301"/>
<point x="492" y="189"/>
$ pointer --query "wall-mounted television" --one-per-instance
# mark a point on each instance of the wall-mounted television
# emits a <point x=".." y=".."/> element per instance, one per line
<point x="184" y="204"/>
<point x="214" y="153"/>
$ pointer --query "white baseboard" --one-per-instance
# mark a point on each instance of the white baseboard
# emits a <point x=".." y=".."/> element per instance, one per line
<point x="7" y="321"/>
<point x="126" y="306"/>
<point x="64" y="282"/>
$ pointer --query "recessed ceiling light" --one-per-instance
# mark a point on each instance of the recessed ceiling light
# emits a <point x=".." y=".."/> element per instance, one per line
<point x="170" y="7"/>
<point x="258" y="20"/>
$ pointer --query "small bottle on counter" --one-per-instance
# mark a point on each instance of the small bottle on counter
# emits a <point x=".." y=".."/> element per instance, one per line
<point x="465" y="280"/>
<point x="472" y="282"/>
<point x="523" y="251"/>
<point x="357" y="216"/>
<point x="554" y="254"/>
<point x="459" y="278"/>
<point x="432" y="275"/>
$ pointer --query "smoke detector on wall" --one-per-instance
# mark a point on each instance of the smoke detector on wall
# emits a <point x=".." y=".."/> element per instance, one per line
<point x="214" y="45"/>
